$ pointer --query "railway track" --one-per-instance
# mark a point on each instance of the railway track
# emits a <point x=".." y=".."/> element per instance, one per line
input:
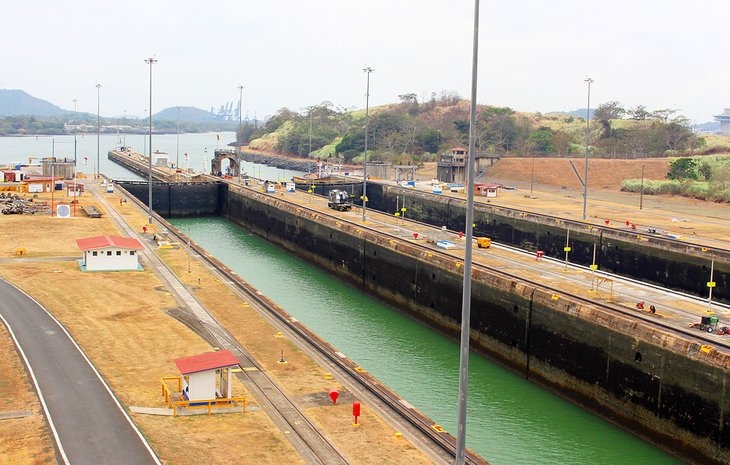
<point x="444" y="442"/>
<point x="703" y="337"/>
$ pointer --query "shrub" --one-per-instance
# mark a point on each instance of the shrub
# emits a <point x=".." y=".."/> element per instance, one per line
<point x="698" y="190"/>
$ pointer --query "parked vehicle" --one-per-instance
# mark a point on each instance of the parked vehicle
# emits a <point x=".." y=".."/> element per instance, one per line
<point x="339" y="200"/>
<point x="711" y="324"/>
<point x="484" y="242"/>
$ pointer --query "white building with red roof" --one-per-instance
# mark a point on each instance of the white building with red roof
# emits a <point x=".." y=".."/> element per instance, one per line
<point x="109" y="253"/>
<point x="207" y="376"/>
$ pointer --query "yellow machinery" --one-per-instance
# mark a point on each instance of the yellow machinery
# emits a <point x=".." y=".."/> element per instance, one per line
<point x="484" y="242"/>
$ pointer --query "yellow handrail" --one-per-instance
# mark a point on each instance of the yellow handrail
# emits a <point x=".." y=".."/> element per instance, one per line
<point x="208" y="403"/>
<point x="166" y="391"/>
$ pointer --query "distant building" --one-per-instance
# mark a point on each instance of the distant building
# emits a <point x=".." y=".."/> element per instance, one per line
<point x="109" y="253"/>
<point x="451" y="167"/>
<point x="62" y="168"/>
<point x="724" y="120"/>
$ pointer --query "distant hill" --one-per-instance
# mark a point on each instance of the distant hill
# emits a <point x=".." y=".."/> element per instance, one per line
<point x="15" y="102"/>
<point x="189" y="114"/>
<point x="580" y="112"/>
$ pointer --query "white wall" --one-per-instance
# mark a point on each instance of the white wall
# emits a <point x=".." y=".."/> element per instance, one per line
<point x="104" y="262"/>
<point x="202" y="385"/>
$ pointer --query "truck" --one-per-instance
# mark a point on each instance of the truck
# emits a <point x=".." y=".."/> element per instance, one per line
<point x="339" y="200"/>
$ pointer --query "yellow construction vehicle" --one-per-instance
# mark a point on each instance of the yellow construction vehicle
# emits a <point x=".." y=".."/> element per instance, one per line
<point x="484" y="242"/>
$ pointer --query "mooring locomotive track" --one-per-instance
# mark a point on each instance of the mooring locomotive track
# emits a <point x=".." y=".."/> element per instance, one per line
<point x="423" y="430"/>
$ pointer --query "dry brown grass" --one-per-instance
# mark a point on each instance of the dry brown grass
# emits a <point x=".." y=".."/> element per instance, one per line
<point x="22" y="440"/>
<point x="119" y="321"/>
<point x="44" y="236"/>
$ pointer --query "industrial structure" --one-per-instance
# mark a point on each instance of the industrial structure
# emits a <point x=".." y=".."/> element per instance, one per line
<point x="724" y="119"/>
<point x="109" y="253"/>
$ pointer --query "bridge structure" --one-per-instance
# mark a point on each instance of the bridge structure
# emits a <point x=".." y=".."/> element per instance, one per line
<point x="225" y="154"/>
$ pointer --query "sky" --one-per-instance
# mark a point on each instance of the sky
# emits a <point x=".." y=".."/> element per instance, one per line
<point x="533" y="54"/>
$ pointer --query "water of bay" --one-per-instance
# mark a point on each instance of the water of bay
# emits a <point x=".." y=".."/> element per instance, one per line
<point x="510" y="420"/>
<point x="198" y="147"/>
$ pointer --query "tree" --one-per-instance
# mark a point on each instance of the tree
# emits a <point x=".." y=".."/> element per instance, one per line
<point x="638" y="112"/>
<point x="561" y="142"/>
<point x="683" y="168"/>
<point x="605" y="113"/>
<point x="543" y="140"/>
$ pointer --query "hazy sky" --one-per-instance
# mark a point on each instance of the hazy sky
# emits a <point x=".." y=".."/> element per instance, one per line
<point x="534" y="54"/>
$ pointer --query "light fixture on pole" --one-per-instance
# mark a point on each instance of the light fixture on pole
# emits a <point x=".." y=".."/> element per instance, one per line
<point x="75" y="130"/>
<point x="588" y="133"/>
<point x="150" y="61"/>
<point x="124" y="129"/>
<point x="367" y="71"/>
<point x="239" y="139"/>
<point x="177" y="141"/>
<point x="468" y="228"/>
<point x="98" y="127"/>
<point x="641" y="193"/>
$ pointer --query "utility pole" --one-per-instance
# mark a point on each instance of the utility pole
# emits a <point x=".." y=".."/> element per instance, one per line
<point x="150" y="61"/>
<point x="98" y="127"/>
<point x="588" y="133"/>
<point x="177" y="141"/>
<point x="75" y="130"/>
<point x="367" y="70"/>
<point x="468" y="227"/>
<point x="641" y="194"/>
<point x="239" y="139"/>
<point x="124" y="130"/>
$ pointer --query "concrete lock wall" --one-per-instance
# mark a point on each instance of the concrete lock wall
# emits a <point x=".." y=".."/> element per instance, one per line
<point x="661" y="386"/>
<point x="180" y="199"/>
<point x="671" y="264"/>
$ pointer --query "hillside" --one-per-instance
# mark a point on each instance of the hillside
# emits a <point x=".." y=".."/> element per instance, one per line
<point x="419" y="132"/>
<point x="189" y="114"/>
<point x="15" y="102"/>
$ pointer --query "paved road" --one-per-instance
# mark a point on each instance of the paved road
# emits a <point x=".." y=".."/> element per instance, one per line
<point x="88" y="424"/>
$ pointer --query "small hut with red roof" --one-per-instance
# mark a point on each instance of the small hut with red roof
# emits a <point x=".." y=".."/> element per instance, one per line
<point x="109" y="253"/>
<point x="207" y="376"/>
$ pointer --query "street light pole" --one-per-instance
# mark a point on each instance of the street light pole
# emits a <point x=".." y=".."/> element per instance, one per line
<point x="588" y="132"/>
<point x="367" y="71"/>
<point x="468" y="228"/>
<point x="150" y="61"/>
<point x="124" y="130"/>
<point x="75" y="130"/>
<point x="641" y="194"/>
<point x="177" y="141"/>
<point x="98" y="127"/>
<point x="239" y="139"/>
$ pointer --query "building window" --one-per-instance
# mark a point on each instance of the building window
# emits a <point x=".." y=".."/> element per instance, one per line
<point x="108" y="253"/>
<point x="94" y="253"/>
<point x="131" y="252"/>
<point x="119" y="252"/>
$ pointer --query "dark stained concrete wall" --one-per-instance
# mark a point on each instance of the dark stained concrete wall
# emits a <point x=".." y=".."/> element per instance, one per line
<point x="648" y="258"/>
<point x="661" y="386"/>
<point x="180" y="199"/>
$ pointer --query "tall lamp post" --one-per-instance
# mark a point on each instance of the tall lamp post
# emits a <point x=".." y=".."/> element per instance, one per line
<point x="641" y="193"/>
<point x="124" y="129"/>
<point x="468" y="227"/>
<point x="177" y="141"/>
<point x="367" y="71"/>
<point x="588" y="133"/>
<point x="76" y="122"/>
<point x="150" y="61"/>
<point x="98" y="127"/>
<point x="239" y="138"/>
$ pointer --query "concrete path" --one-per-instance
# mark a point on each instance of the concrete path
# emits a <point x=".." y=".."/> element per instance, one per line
<point x="88" y="424"/>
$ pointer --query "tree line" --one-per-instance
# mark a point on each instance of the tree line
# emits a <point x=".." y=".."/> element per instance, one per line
<point x="418" y="129"/>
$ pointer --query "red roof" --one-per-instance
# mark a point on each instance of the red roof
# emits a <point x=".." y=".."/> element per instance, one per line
<point x="99" y="242"/>
<point x="204" y="362"/>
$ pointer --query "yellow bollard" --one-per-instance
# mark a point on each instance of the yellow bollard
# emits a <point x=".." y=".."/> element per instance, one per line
<point x="279" y="334"/>
<point x="328" y="376"/>
<point x="398" y="435"/>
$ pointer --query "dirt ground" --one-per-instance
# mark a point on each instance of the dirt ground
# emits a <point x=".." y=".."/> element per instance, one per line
<point x="22" y="440"/>
<point x="372" y="443"/>
<point x="119" y="320"/>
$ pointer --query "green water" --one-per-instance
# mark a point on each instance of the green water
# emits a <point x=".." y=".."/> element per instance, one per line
<point x="510" y="420"/>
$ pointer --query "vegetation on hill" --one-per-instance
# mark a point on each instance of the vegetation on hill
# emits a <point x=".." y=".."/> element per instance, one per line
<point x="414" y="131"/>
<point x="705" y="178"/>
